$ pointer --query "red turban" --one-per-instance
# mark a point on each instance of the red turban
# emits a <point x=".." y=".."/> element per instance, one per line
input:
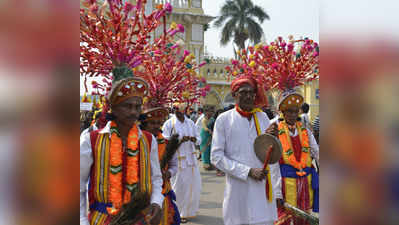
<point x="260" y="99"/>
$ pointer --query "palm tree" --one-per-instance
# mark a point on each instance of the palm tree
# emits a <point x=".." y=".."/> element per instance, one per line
<point x="240" y="25"/>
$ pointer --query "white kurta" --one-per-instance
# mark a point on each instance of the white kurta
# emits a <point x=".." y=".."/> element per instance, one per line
<point x="233" y="152"/>
<point x="198" y="123"/>
<point x="187" y="181"/>
<point x="86" y="160"/>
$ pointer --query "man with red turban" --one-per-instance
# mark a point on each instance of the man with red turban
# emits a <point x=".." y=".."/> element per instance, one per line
<point x="260" y="95"/>
<point x="233" y="152"/>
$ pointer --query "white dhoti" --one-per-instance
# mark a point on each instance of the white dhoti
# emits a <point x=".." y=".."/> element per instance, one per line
<point x="187" y="181"/>
<point x="187" y="186"/>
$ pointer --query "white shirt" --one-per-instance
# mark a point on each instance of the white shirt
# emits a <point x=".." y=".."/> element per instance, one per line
<point x="233" y="152"/>
<point x="86" y="160"/>
<point x="305" y="120"/>
<point x="198" y="123"/>
<point x="186" y="151"/>
<point x="87" y="130"/>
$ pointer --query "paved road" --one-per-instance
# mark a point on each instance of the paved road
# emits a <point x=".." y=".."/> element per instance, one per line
<point x="210" y="212"/>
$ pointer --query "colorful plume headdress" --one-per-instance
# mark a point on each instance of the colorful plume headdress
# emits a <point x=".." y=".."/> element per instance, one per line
<point x="171" y="72"/>
<point x="112" y="39"/>
<point x="117" y="41"/>
<point x="280" y="64"/>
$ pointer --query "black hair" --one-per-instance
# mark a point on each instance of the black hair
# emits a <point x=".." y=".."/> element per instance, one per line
<point x="269" y="113"/>
<point x="218" y="112"/>
<point x="109" y="116"/>
<point x="143" y="123"/>
<point x="305" y="107"/>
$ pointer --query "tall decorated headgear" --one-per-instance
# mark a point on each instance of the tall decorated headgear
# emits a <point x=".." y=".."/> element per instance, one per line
<point x="246" y="71"/>
<point x="282" y="65"/>
<point x="113" y="39"/>
<point x="157" y="113"/>
<point x="125" y="85"/>
<point x="291" y="63"/>
<point x="171" y="71"/>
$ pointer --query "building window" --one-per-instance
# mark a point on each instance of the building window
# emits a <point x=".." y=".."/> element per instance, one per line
<point x="196" y="3"/>
<point x="197" y="32"/>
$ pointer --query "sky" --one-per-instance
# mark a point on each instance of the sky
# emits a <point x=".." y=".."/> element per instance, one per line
<point x="296" y="17"/>
<point x="351" y="19"/>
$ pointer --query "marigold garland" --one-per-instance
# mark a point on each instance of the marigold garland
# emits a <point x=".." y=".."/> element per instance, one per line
<point x="288" y="151"/>
<point x="116" y="159"/>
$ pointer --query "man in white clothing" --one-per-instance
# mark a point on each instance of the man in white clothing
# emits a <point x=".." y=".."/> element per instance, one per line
<point x="245" y="200"/>
<point x="187" y="181"/>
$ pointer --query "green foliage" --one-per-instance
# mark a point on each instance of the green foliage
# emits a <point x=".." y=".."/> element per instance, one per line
<point x="237" y="17"/>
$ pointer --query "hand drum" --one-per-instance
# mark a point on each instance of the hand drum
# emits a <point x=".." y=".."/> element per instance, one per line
<point x="261" y="146"/>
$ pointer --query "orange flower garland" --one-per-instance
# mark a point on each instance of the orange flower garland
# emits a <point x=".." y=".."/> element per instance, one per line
<point x="115" y="177"/>
<point x="288" y="149"/>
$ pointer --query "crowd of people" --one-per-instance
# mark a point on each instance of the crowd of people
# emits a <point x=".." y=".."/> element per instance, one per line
<point x="140" y="153"/>
<point x="171" y="145"/>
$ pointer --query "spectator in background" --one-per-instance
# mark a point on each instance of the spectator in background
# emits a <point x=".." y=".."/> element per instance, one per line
<point x="305" y="115"/>
<point x="190" y="113"/>
<point x="316" y="128"/>
<point x="85" y="120"/>
<point x="206" y="136"/>
<point x="198" y="122"/>
<point x="198" y="125"/>
<point x="200" y="111"/>
<point x="187" y="181"/>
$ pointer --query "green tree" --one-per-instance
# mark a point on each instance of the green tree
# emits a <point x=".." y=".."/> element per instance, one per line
<point x="238" y="20"/>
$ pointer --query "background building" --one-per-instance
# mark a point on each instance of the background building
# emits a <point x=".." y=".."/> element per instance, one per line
<point x="191" y="15"/>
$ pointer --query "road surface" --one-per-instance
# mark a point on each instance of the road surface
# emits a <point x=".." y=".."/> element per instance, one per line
<point x="210" y="210"/>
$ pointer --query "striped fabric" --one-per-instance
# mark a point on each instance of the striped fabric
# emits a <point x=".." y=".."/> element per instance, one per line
<point x="167" y="208"/>
<point x="316" y="124"/>
<point x="316" y="128"/>
<point x="98" y="190"/>
<point x="98" y="180"/>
